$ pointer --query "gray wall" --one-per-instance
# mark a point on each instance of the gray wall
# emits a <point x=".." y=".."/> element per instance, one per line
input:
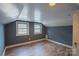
<point x="11" y="38"/>
<point x="1" y="39"/>
<point x="62" y="34"/>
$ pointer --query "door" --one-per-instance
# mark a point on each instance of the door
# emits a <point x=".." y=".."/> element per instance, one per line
<point x="75" y="44"/>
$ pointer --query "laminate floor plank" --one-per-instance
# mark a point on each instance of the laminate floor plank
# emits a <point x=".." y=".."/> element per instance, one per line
<point x="42" y="48"/>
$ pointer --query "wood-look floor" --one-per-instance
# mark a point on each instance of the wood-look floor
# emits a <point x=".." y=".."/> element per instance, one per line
<point x="42" y="48"/>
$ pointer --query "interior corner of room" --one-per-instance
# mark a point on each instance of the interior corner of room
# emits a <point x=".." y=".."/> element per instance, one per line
<point x="38" y="27"/>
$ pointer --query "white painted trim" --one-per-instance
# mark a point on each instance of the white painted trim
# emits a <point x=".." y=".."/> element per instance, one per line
<point x="24" y="43"/>
<point x="17" y="28"/>
<point x="3" y="54"/>
<point x="60" y="43"/>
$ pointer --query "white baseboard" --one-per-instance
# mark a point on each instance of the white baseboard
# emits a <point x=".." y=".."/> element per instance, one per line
<point x="59" y="43"/>
<point x="19" y="44"/>
<point x="3" y="54"/>
<point x="24" y="43"/>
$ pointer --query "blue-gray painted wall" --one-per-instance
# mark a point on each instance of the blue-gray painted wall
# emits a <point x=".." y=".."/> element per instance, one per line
<point x="11" y="38"/>
<point x="62" y="34"/>
<point x="1" y="39"/>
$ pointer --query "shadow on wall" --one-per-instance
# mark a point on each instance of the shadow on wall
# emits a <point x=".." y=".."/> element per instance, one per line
<point x="61" y="34"/>
<point x="1" y="39"/>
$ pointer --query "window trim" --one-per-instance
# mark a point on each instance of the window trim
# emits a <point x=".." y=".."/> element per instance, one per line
<point x="19" y="28"/>
<point x="40" y="28"/>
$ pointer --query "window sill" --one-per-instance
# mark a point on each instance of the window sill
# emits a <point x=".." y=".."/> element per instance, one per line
<point x="37" y="33"/>
<point x="22" y="34"/>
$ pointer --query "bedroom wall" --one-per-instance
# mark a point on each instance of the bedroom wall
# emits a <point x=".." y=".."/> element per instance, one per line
<point x="1" y="39"/>
<point x="62" y="34"/>
<point x="11" y="38"/>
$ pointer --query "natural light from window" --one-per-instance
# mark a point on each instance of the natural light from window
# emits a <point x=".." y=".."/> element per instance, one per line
<point x="24" y="14"/>
<point x="37" y="15"/>
<point x="22" y="28"/>
<point x="37" y="28"/>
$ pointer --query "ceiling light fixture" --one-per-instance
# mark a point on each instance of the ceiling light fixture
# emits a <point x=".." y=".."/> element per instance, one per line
<point x="52" y="4"/>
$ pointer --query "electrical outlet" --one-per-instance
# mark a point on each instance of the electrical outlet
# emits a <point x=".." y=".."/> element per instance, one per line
<point x="46" y="36"/>
<point x="29" y="38"/>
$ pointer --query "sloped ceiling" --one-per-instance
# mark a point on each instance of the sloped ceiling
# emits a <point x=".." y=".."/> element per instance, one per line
<point x="59" y="15"/>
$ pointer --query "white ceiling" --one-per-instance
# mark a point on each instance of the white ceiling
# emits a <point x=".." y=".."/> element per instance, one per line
<point x="59" y="15"/>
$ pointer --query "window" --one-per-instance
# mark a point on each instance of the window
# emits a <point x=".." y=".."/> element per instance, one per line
<point x="37" y="28"/>
<point x="22" y="28"/>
